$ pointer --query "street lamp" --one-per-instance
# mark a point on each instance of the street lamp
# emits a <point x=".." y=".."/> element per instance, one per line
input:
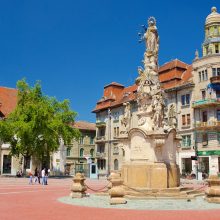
<point x="109" y="141"/>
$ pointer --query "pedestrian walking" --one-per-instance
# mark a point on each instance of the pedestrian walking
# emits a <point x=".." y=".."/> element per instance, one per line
<point x="46" y="176"/>
<point x="38" y="176"/>
<point x="30" y="178"/>
<point x="35" y="175"/>
<point x="43" y="176"/>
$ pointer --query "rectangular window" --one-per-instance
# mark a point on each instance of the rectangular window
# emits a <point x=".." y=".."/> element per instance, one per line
<point x="204" y="139"/>
<point x="203" y="94"/>
<point x="81" y="140"/>
<point x="117" y="131"/>
<point x="216" y="48"/>
<point x="183" y="120"/>
<point x="6" y="164"/>
<point x="188" y="119"/>
<point x="101" y="148"/>
<point x="207" y="50"/>
<point x="203" y="76"/>
<point x="68" y="152"/>
<point x="101" y="132"/>
<point x="218" y="115"/>
<point x="186" y="140"/>
<point x="218" y="71"/>
<point x="183" y="99"/>
<point x="187" y="99"/>
<point x="200" y="77"/>
<point x="213" y="71"/>
<point x="101" y="164"/>
<point x="91" y="140"/>
<point x="204" y="116"/>
<point x="206" y="75"/>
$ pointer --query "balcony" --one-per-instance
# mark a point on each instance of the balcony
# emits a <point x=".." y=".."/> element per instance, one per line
<point x="100" y="154"/>
<point x="100" y="139"/>
<point x="209" y="125"/>
<point x="100" y="124"/>
<point x="186" y="147"/>
<point x="215" y="80"/>
<point x="205" y="102"/>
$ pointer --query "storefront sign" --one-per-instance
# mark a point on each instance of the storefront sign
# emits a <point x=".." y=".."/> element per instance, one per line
<point x="209" y="153"/>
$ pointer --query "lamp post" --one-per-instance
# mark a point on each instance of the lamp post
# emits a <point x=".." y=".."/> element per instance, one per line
<point x="196" y="147"/>
<point x="109" y="141"/>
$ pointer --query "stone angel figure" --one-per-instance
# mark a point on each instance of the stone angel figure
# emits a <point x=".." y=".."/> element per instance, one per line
<point x="125" y="121"/>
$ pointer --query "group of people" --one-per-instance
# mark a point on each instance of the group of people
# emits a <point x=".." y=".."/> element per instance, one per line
<point x="44" y="173"/>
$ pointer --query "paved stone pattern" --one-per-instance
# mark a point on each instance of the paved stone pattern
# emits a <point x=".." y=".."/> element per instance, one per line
<point x="18" y="200"/>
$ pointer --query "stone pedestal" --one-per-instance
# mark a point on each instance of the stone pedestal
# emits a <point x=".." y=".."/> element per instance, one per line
<point x="145" y="175"/>
<point x="173" y="175"/>
<point x="78" y="188"/>
<point x="116" y="192"/>
<point x="150" y="175"/>
<point x="213" y="191"/>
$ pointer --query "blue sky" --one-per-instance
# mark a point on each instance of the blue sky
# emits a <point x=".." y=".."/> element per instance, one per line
<point x="77" y="47"/>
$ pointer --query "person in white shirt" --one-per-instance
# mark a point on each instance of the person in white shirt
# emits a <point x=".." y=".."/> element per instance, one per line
<point x="43" y="176"/>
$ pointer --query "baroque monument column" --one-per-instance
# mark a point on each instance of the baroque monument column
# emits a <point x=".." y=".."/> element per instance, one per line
<point x="153" y="142"/>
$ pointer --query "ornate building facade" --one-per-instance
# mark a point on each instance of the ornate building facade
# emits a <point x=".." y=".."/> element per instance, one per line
<point x="206" y="104"/>
<point x="191" y="97"/>
<point x="77" y="156"/>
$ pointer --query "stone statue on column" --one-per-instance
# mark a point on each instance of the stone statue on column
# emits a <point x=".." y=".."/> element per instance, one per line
<point x="125" y="121"/>
<point x="149" y="93"/>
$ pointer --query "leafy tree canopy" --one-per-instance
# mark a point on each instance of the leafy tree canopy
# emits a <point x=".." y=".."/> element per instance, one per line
<point x="38" y="123"/>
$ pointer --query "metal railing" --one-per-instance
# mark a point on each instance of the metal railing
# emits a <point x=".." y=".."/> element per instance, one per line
<point x="207" y="124"/>
<point x="100" y="154"/>
<point x="100" y="138"/>
<point x="205" y="102"/>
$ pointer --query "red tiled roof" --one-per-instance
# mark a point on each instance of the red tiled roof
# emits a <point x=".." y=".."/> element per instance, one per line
<point x="84" y="125"/>
<point x="114" y="84"/>
<point x="171" y="75"/>
<point x="173" y="64"/>
<point x="8" y="100"/>
<point x="126" y="95"/>
<point x="185" y="78"/>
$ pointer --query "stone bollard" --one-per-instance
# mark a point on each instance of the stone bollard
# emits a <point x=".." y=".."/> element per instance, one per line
<point x="116" y="192"/>
<point x="78" y="188"/>
<point x="213" y="191"/>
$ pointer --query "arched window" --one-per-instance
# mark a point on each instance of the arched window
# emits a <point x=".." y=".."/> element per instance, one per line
<point x="81" y="152"/>
<point x="115" y="164"/>
<point x="92" y="152"/>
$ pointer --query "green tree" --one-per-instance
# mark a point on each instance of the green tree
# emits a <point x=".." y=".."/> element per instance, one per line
<point x="37" y="124"/>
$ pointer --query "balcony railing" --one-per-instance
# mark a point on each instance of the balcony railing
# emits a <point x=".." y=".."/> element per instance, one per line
<point x="215" y="79"/>
<point x="207" y="125"/>
<point x="100" y="138"/>
<point x="186" y="146"/>
<point x="205" y="102"/>
<point x="100" y="124"/>
<point x="100" y="154"/>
